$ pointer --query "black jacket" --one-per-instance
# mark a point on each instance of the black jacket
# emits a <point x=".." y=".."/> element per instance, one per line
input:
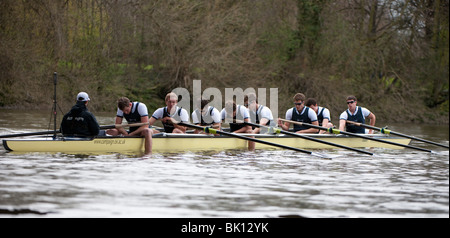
<point x="79" y="122"/>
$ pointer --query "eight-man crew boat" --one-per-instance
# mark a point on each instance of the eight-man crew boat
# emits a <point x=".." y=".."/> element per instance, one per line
<point x="167" y="142"/>
<point x="172" y="142"/>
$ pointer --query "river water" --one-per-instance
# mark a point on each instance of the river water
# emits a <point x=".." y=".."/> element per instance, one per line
<point x="265" y="183"/>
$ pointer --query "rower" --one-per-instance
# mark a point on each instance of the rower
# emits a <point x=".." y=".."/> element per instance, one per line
<point x="234" y="113"/>
<point x="323" y="114"/>
<point x="134" y="112"/>
<point x="171" y="110"/>
<point x="206" y="116"/>
<point x="259" y="114"/>
<point x="357" y="114"/>
<point x="300" y="113"/>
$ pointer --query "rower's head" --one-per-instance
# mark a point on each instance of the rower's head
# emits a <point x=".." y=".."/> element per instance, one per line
<point x="351" y="102"/>
<point x="312" y="103"/>
<point x="230" y="109"/>
<point x="204" y="106"/>
<point x="251" y="101"/>
<point x="83" y="97"/>
<point x="171" y="100"/>
<point x="299" y="100"/>
<point x="125" y="105"/>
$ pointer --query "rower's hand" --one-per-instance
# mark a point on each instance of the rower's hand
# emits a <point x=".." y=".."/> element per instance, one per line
<point x="280" y="123"/>
<point x="167" y="120"/>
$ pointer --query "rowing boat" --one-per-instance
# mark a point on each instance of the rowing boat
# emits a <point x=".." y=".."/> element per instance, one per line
<point x="166" y="142"/>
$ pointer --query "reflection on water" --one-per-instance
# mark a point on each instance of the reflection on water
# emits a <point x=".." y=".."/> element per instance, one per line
<point x="392" y="183"/>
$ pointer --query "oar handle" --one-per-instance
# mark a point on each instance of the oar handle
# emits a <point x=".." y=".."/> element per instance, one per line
<point x="293" y="122"/>
<point x="363" y="125"/>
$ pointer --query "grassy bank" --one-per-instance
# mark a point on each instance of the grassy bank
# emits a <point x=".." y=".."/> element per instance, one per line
<point x="393" y="56"/>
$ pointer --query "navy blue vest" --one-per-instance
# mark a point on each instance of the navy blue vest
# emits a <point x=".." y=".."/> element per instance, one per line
<point x="358" y="117"/>
<point x="208" y="117"/>
<point x="133" y="117"/>
<point x="320" y="116"/>
<point x="296" y="116"/>
<point x="236" y="126"/>
<point x="168" y="127"/>
<point x="257" y="115"/>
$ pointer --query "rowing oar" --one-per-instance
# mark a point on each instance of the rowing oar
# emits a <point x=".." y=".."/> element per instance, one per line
<point x="124" y="125"/>
<point x="336" y="131"/>
<point x="58" y="131"/>
<point x="386" y="131"/>
<point x="30" y="134"/>
<point x="214" y="131"/>
<point x="277" y="130"/>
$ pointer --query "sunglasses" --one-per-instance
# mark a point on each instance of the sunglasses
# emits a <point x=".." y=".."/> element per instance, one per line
<point x="350" y="102"/>
<point x="298" y="103"/>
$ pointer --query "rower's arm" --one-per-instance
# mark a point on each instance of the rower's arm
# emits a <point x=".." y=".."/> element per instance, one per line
<point x="324" y="124"/>
<point x="310" y="130"/>
<point x="181" y="128"/>
<point x="141" y="128"/>
<point x="372" y="121"/>
<point x="285" y="126"/>
<point x="218" y="127"/>
<point x="151" y="121"/>
<point x="263" y="122"/>
<point x="342" y="124"/>
<point x="197" y="131"/>
<point x="244" y="129"/>
<point x="120" y="129"/>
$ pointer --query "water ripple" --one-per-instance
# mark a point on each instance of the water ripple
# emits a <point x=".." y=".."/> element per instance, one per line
<point x="270" y="183"/>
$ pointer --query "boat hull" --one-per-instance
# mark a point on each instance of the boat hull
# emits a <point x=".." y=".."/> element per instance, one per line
<point x="179" y="143"/>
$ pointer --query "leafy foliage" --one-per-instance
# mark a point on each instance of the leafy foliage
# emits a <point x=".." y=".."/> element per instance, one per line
<point x="393" y="55"/>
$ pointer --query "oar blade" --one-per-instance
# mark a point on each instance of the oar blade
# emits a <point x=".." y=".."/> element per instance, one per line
<point x="322" y="155"/>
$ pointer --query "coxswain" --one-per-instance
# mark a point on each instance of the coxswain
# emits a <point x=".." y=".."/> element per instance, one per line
<point x="79" y="121"/>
